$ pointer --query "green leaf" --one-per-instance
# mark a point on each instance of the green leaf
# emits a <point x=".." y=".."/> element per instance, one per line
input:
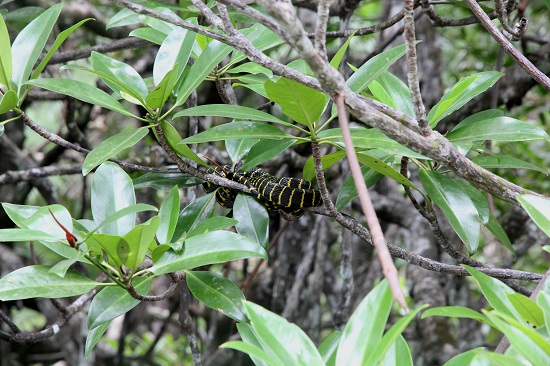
<point x="248" y="336"/>
<point x="498" y="129"/>
<point x="205" y="249"/>
<point x="538" y="209"/>
<point x="456" y="204"/>
<point x="7" y="235"/>
<point x="497" y="230"/>
<point x="116" y="251"/>
<point x="168" y="215"/>
<point x="194" y="213"/>
<point x="348" y="191"/>
<point x="253" y="219"/>
<point x="390" y="90"/>
<point x="495" y="292"/>
<point x="505" y="161"/>
<point x="139" y="239"/>
<point x="237" y="130"/>
<point x="301" y="103"/>
<point x="230" y="111"/>
<point x="369" y="138"/>
<point x="212" y="224"/>
<point x="528" y="309"/>
<point x="173" y="53"/>
<point x="125" y="75"/>
<point x="61" y="37"/>
<point x="5" y="55"/>
<point x="112" y="146"/>
<point x="94" y="335"/>
<point x="374" y="67"/>
<point x="40" y="219"/>
<point x="265" y="150"/>
<point x="133" y="209"/>
<point x="165" y="181"/>
<point x="214" y="53"/>
<point x="327" y="161"/>
<point x="480" y="357"/>
<point x="527" y="342"/>
<point x="455" y="312"/>
<point x="543" y="300"/>
<point x="38" y="281"/>
<point x="113" y="301"/>
<point x="399" y="354"/>
<point x="251" y="68"/>
<point x="29" y="44"/>
<point x="479" y="116"/>
<point x="337" y="58"/>
<point x="112" y="190"/>
<point x="461" y="93"/>
<point x="158" y="96"/>
<point x="261" y="37"/>
<point x="384" y="169"/>
<point x="255" y="353"/>
<point x="365" y="327"/>
<point x="328" y="348"/>
<point x="286" y="340"/>
<point x="61" y="267"/>
<point x="217" y="292"/>
<point x="8" y="102"/>
<point x="237" y="149"/>
<point x="81" y="91"/>
<point x="174" y="141"/>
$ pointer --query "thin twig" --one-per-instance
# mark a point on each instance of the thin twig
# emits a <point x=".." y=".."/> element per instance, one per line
<point x="323" y="10"/>
<point x="187" y="324"/>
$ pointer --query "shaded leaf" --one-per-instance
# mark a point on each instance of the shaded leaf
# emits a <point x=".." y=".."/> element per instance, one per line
<point x="237" y="130"/>
<point x="253" y="219"/>
<point x="505" y="161"/>
<point x="265" y="150"/>
<point x="538" y="209"/>
<point x="230" y="111"/>
<point x="498" y="129"/>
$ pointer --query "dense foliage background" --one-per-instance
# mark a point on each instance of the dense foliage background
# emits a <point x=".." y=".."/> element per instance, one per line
<point x="130" y="262"/>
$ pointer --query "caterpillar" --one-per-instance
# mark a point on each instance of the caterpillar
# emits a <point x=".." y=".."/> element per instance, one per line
<point x="289" y="195"/>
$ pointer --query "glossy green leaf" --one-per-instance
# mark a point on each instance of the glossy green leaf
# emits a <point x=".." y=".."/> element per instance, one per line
<point x="124" y="17"/>
<point x="369" y="138"/>
<point x="479" y="116"/>
<point x="212" y="224"/>
<point x="497" y="230"/>
<point x="174" y="141"/>
<point x="328" y="348"/>
<point x="214" y="53"/>
<point x="217" y="292"/>
<point x="381" y="167"/>
<point x="327" y="161"/>
<point x="337" y="58"/>
<point x="29" y="43"/>
<point x="158" y="96"/>
<point x="528" y="309"/>
<point x="391" y="336"/>
<point x="112" y="146"/>
<point x="286" y="340"/>
<point x="112" y="190"/>
<point x="505" y="161"/>
<point x="165" y="181"/>
<point x="253" y="219"/>
<point x="461" y="93"/>
<point x="81" y="91"/>
<point x="168" y="214"/>
<point x="348" y="191"/>
<point x="94" y="335"/>
<point x="374" y="67"/>
<point x="8" y="102"/>
<point x="543" y="300"/>
<point x="230" y="111"/>
<point x="238" y="149"/>
<point x="139" y="239"/>
<point x="399" y="354"/>
<point x="265" y="150"/>
<point x="390" y="90"/>
<point x="365" y="327"/>
<point x="456" y="204"/>
<point x="5" y="55"/>
<point x="8" y="235"/>
<point x="479" y="199"/>
<point x="40" y="218"/>
<point x="251" y="68"/>
<point x="60" y="268"/>
<point x="301" y="103"/>
<point x="237" y="130"/>
<point x="480" y="357"/>
<point x="133" y="209"/>
<point x="495" y="292"/>
<point x="531" y="345"/>
<point x="193" y="214"/>
<point x="113" y="301"/>
<point x="538" y="208"/>
<point x="123" y="73"/>
<point x="61" y="37"/>
<point x="205" y="249"/>
<point x="174" y="51"/>
<point x="455" y="312"/>
<point x="255" y="352"/>
<point x="37" y="281"/>
<point x="110" y="244"/>
<point x="498" y="129"/>
<point x="249" y="336"/>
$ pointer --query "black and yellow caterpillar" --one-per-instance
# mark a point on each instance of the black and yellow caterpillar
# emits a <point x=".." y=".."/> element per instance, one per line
<point x="290" y="195"/>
